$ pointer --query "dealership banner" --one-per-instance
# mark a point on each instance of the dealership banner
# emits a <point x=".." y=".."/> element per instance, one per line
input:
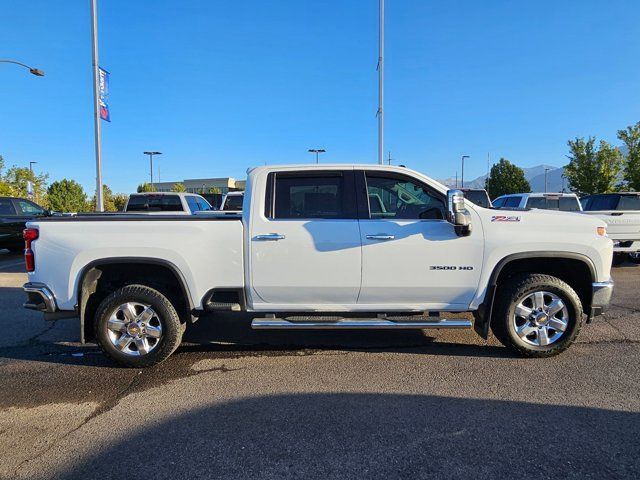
<point x="104" y="94"/>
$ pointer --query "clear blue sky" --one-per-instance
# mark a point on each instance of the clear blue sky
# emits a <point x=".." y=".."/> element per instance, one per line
<point x="221" y="86"/>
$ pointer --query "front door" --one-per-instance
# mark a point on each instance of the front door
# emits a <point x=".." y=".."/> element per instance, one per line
<point x="410" y="254"/>
<point x="305" y="249"/>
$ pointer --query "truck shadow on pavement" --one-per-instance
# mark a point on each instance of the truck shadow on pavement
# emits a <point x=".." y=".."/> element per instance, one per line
<point x="345" y="435"/>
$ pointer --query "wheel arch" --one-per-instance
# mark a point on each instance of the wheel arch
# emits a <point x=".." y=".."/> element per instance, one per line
<point x="558" y="264"/>
<point x="88" y="284"/>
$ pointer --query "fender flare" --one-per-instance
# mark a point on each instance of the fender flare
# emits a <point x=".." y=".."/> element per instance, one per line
<point x="485" y="309"/>
<point x="86" y="274"/>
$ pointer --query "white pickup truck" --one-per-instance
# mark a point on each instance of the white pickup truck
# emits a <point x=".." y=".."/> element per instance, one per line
<point x="324" y="247"/>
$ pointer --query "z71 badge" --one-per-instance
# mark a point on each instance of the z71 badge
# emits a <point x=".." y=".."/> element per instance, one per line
<point x="505" y="218"/>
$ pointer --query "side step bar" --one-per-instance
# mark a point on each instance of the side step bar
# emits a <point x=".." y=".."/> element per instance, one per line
<point x="336" y="323"/>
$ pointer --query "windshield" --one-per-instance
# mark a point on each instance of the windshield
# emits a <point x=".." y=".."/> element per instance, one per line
<point x="154" y="203"/>
<point x="479" y="197"/>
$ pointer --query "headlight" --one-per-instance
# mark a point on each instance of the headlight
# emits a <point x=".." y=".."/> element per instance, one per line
<point x="601" y="231"/>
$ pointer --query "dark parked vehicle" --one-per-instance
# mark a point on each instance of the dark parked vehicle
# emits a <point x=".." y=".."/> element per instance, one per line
<point x="14" y="213"/>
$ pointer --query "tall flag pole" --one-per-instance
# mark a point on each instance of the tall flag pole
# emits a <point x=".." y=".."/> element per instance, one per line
<point x="381" y="85"/>
<point x="96" y="105"/>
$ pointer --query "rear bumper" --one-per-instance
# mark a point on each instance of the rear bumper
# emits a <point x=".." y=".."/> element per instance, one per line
<point x="600" y="298"/>
<point x="39" y="298"/>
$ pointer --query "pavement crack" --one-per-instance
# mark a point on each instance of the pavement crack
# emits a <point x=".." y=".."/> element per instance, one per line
<point x="33" y="341"/>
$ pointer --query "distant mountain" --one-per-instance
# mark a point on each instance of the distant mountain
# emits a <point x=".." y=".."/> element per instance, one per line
<point x="534" y="175"/>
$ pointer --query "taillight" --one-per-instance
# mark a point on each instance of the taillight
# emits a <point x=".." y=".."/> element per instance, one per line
<point x="29" y="235"/>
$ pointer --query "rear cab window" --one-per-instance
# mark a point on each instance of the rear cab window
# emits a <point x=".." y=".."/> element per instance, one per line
<point x="6" y="207"/>
<point x="233" y="202"/>
<point x="26" y="207"/>
<point x="154" y="203"/>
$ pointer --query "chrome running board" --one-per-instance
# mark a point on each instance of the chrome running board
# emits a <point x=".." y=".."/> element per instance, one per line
<point x="339" y="323"/>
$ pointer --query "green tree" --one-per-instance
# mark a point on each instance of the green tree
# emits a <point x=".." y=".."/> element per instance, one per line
<point x="505" y="178"/>
<point x="215" y="190"/>
<point x="120" y="200"/>
<point x="5" y="189"/>
<point x="592" y="170"/>
<point x="178" y="187"/>
<point x="17" y="178"/>
<point x="107" y="200"/>
<point x="146" y="187"/>
<point x="631" y="138"/>
<point x="66" y="196"/>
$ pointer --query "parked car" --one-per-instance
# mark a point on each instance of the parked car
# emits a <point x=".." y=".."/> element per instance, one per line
<point x="232" y="202"/>
<point x="621" y="213"/>
<point x="14" y="213"/>
<point x="311" y="251"/>
<point x="566" y="202"/>
<point x="166" y="203"/>
<point x="479" y="196"/>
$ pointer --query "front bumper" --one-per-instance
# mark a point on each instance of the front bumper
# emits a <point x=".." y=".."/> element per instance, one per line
<point x="39" y="297"/>
<point x="600" y="298"/>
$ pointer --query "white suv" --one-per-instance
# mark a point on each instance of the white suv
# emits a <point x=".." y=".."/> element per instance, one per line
<point x="566" y="202"/>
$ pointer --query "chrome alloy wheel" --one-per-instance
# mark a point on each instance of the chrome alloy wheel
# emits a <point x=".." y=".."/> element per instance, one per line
<point x="134" y="328"/>
<point x="540" y="318"/>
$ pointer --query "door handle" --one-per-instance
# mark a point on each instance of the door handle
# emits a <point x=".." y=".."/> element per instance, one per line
<point x="381" y="237"/>
<point x="269" y="237"/>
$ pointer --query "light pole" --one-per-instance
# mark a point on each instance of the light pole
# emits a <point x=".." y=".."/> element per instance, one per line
<point x="317" y="151"/>
<point x="31" y="166"/>
<point x="151" y="154"/>
<point x="381" y="83"/>
<point x="546" y="169"/>
<point x="96" y="104"/>
<point x="462" y="177"/>
<point x="35" y="71"/>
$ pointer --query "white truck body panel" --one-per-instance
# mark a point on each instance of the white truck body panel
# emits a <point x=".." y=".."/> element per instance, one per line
<point x="622" y="226"/>
<point x="320" y="264"/>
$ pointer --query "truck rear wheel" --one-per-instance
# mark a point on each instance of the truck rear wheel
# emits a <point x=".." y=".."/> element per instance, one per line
<point x="138" y="326"/>
<point x="537" y="315"/>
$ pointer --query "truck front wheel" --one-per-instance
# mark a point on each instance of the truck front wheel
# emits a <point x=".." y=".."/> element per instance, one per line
<point x="138" y="326"/>
<point x="536" y="315"/>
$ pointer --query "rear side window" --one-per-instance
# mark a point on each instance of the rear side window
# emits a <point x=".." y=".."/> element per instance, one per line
<point x="6" y="207"/>
<point x="569" y="204"/>
<point x="629" y="202"/>
<point x="300" y="196"/>
<point x="203" y="204"/>
<point x="154" y="203"/>
<point x="512" y="202"/>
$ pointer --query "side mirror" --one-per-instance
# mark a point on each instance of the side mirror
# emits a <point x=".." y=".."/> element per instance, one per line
<point x="457" y="214"/>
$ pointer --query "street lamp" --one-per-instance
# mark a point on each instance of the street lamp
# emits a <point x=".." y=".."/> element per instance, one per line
<point x="31" y="166"/>
<point x="151" y="154"/>
<point x="546" y="169"/>
<point x="317" y="152"/>
<point x="462" y="179"/>
<point x="35" y="71"/>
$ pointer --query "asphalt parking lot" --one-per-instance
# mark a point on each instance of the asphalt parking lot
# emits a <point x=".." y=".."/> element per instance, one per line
<point x="236" y="403"/>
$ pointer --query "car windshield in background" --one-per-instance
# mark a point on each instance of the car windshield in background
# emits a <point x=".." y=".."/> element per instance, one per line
<point x="233" y="202"/>
<point x="154" y="203"/>
<point x="596" y="203"/>
<point x="479" y="197"/>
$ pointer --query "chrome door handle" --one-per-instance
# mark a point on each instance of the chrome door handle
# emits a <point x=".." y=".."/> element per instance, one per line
<point x="381" y="237"/>
<point x="269" y="237"/>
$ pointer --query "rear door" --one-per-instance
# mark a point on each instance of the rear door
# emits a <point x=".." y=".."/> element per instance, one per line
<point x="411" y="256"/>
<point x="305" y="246"/>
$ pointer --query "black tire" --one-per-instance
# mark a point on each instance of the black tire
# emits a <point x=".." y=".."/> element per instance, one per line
<point x="520" y="287"/>
<point x="165" y="312"/>
<point x="635" y="257"/>
<point x="619" y="259"/>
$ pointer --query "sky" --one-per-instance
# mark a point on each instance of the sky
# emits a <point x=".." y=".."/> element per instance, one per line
<point x="220" y="86"/>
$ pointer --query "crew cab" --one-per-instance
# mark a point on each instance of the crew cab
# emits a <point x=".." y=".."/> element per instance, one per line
<point x="162" y="203"/>
<point x="324" y="247"/>
<point x="621" y="212"/>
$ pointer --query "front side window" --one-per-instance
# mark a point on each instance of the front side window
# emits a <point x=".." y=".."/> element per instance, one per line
<point x="193" y="204"/>
<point x="25" y="207"/>
<point x="399" y="198"/>
<point x="499" y="202"/>
<point x="312" y="196"/>
<point x="512" y="202"/>
<point x="203" y="204"/>
<point x="601" y="202"/>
